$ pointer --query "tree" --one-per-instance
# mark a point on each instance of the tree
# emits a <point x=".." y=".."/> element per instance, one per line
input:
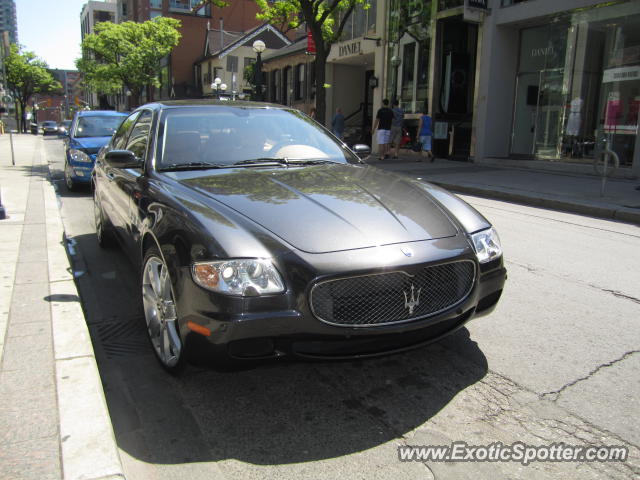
<point x="325" y="19"/>
<point x="127" y="55"/>
<point x="27" y="75"/>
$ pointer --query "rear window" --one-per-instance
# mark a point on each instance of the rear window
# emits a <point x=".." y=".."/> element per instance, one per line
<point x="97" y="126"/>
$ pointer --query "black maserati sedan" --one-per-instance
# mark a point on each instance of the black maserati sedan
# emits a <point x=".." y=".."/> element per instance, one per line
<point x="258" y="234"/>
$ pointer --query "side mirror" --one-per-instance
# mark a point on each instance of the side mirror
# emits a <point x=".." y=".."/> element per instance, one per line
<point x="122" y="159"/>
<point x="362" y="151"/>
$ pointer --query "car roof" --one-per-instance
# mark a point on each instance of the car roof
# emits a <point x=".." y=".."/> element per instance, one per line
<point x="165" y="104"/>
<point x="101" y="113"/>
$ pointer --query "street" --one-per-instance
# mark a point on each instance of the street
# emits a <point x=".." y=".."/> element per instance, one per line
<point x="558" y="361"/>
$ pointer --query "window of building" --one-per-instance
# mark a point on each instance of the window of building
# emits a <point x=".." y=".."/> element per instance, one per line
<point x="300" y="82"/>
<point x="276" y="86"/>
<point x="187" y="6"/>
<point x="360" y="22"/>
<point x="154" y="14"/>
<point x="578" y="84"/>
<point x="155" y="4"/>
<point x="410" y="83"/>
<point x="232" y="63"/>
<point x="447" y="4"/>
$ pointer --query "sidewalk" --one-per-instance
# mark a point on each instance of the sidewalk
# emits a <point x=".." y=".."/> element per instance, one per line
<point x="54" y="421"/>
<point x="557" y="190"/>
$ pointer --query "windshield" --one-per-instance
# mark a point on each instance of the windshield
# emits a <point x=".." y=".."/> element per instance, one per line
<point x="228" y="135"/>
<point x="50" y="124"/>
<point x="97" y="126"/>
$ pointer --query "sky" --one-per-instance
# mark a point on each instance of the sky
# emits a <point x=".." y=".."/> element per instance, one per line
<point x="51" y="29"/>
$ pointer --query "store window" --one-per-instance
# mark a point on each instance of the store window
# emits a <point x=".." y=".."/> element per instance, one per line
<point x="409" y="43"/>
<point x="540" y="99"/>
<point x="578" y="85"/>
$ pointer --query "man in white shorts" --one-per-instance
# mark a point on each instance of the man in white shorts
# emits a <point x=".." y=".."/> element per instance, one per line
<point x="384" y="117"/>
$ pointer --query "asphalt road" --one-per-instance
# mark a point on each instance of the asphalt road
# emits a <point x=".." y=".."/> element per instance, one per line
<point x="558" y="361"/>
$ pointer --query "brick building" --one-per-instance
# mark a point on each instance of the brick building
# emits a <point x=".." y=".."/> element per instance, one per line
<point x="178" y="77"/>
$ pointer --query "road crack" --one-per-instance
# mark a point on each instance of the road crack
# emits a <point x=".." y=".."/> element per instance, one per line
<point x="554" y="394"/>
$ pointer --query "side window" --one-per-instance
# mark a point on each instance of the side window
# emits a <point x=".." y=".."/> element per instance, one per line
<point x="120" y="138"/>
<point x="139" y="138"/>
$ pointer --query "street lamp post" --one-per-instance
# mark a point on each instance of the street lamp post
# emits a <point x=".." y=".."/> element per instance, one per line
<point x="258" y="47"/>
<point x="216" y="86"/>
<point x="395" y="63"/>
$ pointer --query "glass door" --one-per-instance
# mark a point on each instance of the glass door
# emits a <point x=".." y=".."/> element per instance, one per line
<point x="526" y="108"/>
<point x="538" y="116"/>
<point x="550" y="114"/>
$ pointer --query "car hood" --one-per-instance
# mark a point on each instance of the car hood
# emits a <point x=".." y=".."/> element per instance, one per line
<point x="90" y="143"/>
<point x="327" y="208"/>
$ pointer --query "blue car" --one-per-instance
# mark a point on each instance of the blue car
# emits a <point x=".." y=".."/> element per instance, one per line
<point x="89" y="132"/>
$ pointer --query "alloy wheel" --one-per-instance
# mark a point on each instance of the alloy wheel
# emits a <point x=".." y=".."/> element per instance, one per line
<point x="160" y="312"/>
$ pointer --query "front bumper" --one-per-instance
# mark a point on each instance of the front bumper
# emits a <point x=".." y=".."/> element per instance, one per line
<point x="283" y="325"/>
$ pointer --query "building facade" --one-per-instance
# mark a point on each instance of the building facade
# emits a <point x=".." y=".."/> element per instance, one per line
<point x="179" y="78"/>
<point x="504" y="80"/>
<point x="557" y="79"/>
<point x="227" y="55"/>
<point x="94" y="12"/>
<point x="354" y="72"/>
<point x="8" y="19"/>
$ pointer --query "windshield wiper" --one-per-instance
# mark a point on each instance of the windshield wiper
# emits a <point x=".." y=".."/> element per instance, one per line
<point x="262" y="161"/>
<point x="283" y="161"/>
<point x="311" y="161"/>
<point x="190" y="166"/>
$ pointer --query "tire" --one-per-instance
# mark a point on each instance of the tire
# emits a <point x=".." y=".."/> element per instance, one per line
<point x="104" y="230"/>
<point x="68" y="181"/>
<point x="160" y="312"/>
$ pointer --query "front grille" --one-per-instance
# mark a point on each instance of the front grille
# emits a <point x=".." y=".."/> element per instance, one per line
<point x="384" y="298"/>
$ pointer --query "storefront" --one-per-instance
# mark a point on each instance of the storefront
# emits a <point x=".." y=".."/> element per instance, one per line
<point x="578" y="84"/>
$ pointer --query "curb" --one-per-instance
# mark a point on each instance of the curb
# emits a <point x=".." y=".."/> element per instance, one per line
<point x="88" y="445"/>
<point x="622" y="214"/>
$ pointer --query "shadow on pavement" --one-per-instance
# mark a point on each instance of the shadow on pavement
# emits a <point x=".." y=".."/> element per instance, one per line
<point x="272" y="414"/>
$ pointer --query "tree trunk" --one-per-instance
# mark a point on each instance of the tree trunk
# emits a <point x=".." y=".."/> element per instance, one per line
<point x="322" y="52"/>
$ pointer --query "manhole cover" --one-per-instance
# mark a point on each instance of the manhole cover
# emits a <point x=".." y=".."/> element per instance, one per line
<point x="124" y="339"/>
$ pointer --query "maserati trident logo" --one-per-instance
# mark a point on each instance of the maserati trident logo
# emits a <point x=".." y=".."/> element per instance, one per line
<point x="413" y="301"/>
<point x="407" y="251"/>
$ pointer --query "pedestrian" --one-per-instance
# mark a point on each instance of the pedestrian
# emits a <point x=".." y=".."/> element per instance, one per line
<point x="425" y="134"/>
<point x="384" y="117"/>
<point x="337" y="124"/>
<point x="313" y="113"/>
<point x="396" y="126"/>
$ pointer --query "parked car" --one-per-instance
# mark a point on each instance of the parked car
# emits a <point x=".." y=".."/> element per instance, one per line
<point x="49" y="127"/>
<point x="90" y="130"/>
<point x="259" y="235"/>
<point x="63" y="128"/>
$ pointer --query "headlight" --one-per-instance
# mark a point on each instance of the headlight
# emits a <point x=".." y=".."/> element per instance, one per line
<point x="487" y="245"/>
<point x="245" y="277"/>
<point x="79" y="156"/>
